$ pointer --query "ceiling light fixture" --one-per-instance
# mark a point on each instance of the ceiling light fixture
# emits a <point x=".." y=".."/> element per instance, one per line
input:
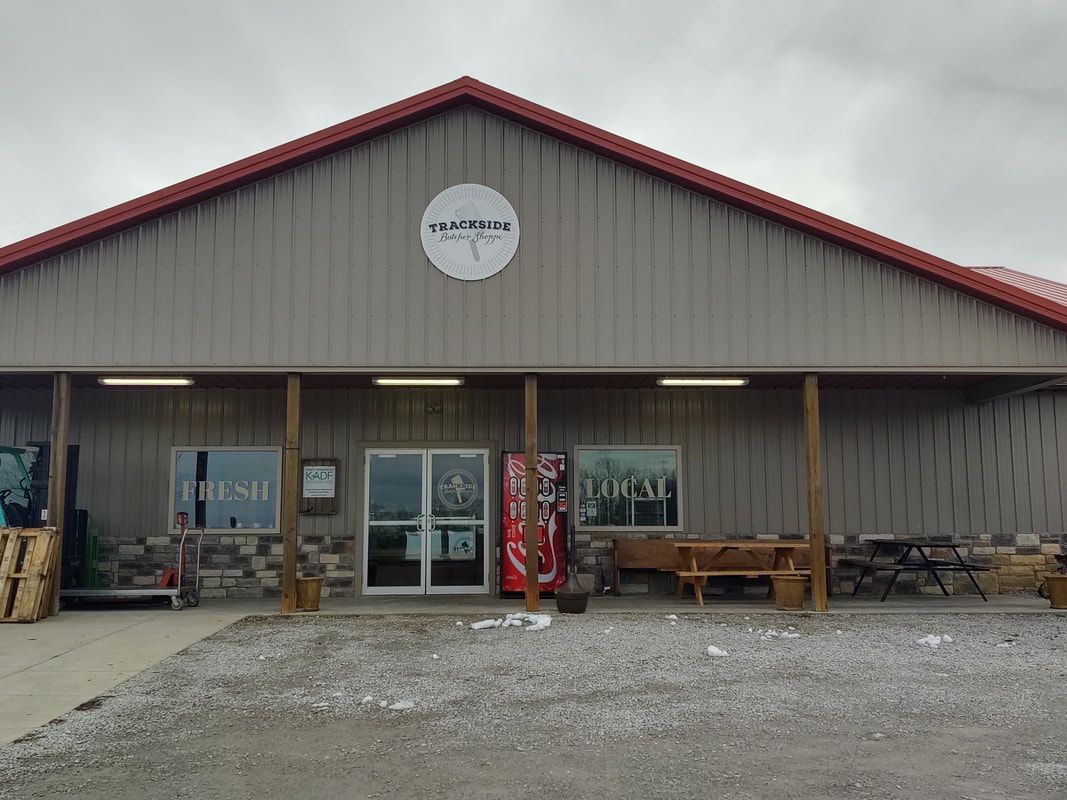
<point x="703" y="381"/>
<point x="144" y="380"/>
<point x="418" y="381"/>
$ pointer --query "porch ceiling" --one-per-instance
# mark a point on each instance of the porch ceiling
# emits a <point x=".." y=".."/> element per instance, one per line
<point x="316" y="380"/>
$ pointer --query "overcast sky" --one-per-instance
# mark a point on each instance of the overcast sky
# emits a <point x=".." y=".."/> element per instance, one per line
<point x="940" y="124"/>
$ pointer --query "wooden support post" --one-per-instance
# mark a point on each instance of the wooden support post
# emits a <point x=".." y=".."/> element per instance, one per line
<point x="816" y="526"/>
<point x="290" y="492"/>
<point x="59" y="438"/>
<point x="533" y="588"/>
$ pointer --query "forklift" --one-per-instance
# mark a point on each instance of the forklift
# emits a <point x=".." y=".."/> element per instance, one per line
<point x="18" y="501"/>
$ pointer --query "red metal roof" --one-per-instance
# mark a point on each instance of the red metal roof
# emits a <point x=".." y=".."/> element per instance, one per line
<point x="468" y="91"/>
<point x="1045" y="287"/>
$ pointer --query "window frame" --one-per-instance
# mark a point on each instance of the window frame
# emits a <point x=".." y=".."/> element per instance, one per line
<point x="175" y="449"/>
<point x="577" y="497"/>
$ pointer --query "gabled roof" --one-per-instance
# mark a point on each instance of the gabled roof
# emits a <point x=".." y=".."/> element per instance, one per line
<point x="468" y="91"/>
<point x="1044" y="287"/>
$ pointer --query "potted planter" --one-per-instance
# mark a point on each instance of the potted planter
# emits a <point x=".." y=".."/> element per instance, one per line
<point x="789" y="591"/>
<point x="571" y="598"/>
<point x="1056" y="584"/>
<point x="308" y="593"/>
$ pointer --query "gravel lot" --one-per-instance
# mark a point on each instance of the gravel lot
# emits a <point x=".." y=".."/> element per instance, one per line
<point x="604" y="706"/>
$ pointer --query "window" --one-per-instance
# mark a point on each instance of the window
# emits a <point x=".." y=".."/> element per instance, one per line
<point x="226" y="488"/>
<point x="628" y="487"/>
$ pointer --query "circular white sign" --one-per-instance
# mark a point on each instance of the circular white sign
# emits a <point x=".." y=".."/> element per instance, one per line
<point x="470" y="231"/>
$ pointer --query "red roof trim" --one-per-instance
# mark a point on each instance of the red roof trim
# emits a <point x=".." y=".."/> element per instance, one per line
<point x="1044" y="287"/>
<point x="466" y="91"/>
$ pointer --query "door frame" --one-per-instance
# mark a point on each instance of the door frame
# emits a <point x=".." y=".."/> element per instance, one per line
<point x="365" y="521"/>
<point x="427" y="449"/>
<point x="490" y="541"/>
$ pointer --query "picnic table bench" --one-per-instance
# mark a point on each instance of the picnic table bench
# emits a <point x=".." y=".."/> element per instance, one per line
<point x="764" y="557"/>
<point x="906" y="564"/>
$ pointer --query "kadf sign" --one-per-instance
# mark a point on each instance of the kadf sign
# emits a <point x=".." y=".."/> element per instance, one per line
<point x="551" y="521"/>
<point x="320" y="481"/>
<point x="470" y="232"/>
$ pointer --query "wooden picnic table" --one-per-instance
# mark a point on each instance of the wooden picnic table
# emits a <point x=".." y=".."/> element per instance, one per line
<point x="767" y="556"/>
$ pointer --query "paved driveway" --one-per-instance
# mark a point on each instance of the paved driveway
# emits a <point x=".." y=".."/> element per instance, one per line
<point x="52" y="666"/>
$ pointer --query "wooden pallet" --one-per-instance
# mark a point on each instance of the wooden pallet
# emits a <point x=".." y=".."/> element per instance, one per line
<point x="25" y="567"/>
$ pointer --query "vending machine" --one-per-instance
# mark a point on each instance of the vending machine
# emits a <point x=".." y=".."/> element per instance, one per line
<point x="551" y="521"/>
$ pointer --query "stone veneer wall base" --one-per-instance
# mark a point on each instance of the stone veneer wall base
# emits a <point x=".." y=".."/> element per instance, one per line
<point x="237" y="565"/>
<point x="249" y="565"/>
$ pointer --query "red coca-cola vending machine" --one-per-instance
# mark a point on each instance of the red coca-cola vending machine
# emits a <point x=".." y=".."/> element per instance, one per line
<point x="551" y="521"/>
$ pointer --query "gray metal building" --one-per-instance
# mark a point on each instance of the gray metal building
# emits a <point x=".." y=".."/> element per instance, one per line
<point x="937" y="385"/>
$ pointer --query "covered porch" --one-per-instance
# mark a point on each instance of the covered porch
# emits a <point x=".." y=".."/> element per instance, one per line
<point x="900" y="452"/>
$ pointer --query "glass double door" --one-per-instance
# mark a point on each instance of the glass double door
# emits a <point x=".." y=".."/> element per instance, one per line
<point x="426" y="514"/>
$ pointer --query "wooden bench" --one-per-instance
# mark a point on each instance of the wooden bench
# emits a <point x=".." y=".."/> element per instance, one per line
<point x="662" y="555"/>
<point x="656" y="554"/>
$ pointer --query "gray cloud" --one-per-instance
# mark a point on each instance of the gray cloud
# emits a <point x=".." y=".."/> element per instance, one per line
<point x="941" y="124"/>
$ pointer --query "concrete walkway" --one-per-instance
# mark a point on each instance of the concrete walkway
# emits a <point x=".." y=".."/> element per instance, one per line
<point x="50" y="667"/>
<point x="653" y="604"/>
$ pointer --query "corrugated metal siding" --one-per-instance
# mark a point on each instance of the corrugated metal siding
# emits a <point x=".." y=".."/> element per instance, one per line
<point x="922" y="462"/>
<point x="125" y="441"/>
<point x="322" y="267"/>
<point x="24" y="416"/>
<point x="918" y="462"/>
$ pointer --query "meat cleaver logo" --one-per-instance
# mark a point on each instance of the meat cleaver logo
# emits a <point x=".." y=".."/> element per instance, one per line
<point x="470" y="232"/>
<point x="457" y="489"/>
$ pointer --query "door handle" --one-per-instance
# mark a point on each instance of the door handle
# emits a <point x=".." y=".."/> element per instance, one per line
<point x="433" y="522"/>
<point x="420" y="521"/>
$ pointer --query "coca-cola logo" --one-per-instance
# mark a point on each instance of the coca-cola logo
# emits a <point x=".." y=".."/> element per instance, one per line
<point x="470" y="232"/>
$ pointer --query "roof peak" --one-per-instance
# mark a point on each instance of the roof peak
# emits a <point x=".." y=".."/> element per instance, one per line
<point x="467" y="90"/>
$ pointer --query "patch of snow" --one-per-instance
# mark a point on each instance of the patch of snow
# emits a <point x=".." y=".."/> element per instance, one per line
<point x="459" y="623"/>
<point x="383" y="704"/>
<point x="672" y="616"/>
<point x="609" y="629"/>
<point x="367" y="699"/>
<point x="1006" y="644"/>
<point x="540" y="622"/>
<point x="402" y="705"/>
<point x="717" y="652"/>
<point x="436" y="657"/>
<point x="932" y="641"/>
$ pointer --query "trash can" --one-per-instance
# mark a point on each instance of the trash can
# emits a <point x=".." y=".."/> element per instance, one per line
<point x="308" y="593"/>
<point x="789" y="591"/>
